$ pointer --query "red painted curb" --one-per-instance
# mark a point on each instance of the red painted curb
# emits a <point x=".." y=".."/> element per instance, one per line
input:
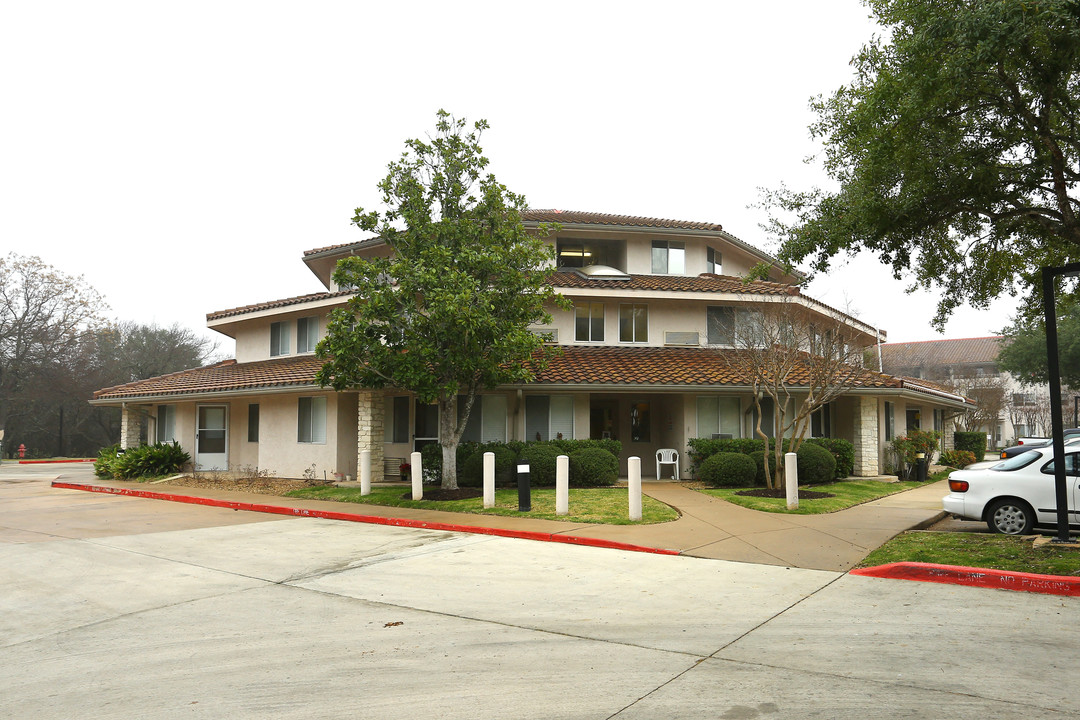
<point x="370" y="519"/>
<point x="976" y="577"/>
<point x="41" y="462"/>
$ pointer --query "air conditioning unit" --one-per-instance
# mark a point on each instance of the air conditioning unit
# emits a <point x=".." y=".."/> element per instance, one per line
<point x="681" y="338"/>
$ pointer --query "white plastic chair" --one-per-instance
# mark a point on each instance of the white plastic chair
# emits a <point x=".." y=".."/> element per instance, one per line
<point x="667" y="456"/>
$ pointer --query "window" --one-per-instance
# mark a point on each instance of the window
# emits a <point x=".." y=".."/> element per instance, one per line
<point x="396" y="426"/>
<point x="731" y="326"/>
<point x="307" y="334"/>
<point x="668" y="258"/>
<point x="890" y="421"/>
<point x="279" y="339"/>
<point x="166" y="423"/>
<point x="487" y="421"/>
<point x="583" y="253"/>
<point x="634" y="323"/>
<point x="821" y="422"/>
<point x="589" y="318"/>
<point x="714" y="262"/>
<point x="718" y="417"/>
<point x="547" y="417"/>
<point x="914" y="419"/>
<point x="253" y="422"/>
<point x="311" y="420"/>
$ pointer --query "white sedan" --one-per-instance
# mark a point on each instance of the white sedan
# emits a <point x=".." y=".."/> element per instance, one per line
<point x="1016" y="495"/>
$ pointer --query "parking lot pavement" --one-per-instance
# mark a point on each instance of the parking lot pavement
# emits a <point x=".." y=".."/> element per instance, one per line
<point x="308" y="618"/>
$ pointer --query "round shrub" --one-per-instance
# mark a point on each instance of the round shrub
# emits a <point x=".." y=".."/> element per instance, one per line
<point x="816" y="464"/>
<point x="957" y="458"/>
<point x="541" y="458"/>
<point x="759" y="463"/>
<point x="593" y="467"/>
<point x="728" y="470"/>
<point x="471" y="472"/>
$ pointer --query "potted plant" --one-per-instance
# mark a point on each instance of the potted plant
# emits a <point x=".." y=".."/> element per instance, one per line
<point x="406" y="471"/>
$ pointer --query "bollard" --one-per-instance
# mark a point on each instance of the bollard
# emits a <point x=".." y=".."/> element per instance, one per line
<point x="634" y="468"/>
<point x="417" y="477"/>
<point x="489" y="480"/>
<point x="365" y="472"/>
<point x="791" y="480"/>
<point x="562" y="485"/>
<point x="920" y="466"/>
<point x="524" y="495"/>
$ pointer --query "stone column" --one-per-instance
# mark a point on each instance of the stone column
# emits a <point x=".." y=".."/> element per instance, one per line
<point x="867" y="451"/>
<point x="129" y="427"/>
<point x="369" y="430"/>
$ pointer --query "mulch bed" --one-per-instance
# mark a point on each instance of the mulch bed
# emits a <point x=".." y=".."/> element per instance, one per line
<point x="782" y="493"/>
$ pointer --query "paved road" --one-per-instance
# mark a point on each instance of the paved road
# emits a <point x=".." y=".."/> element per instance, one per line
<point x="224" y="614"/>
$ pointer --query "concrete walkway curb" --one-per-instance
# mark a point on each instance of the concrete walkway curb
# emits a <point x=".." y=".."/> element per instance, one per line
<point x="370" y="519"/>
<point x="975" y="577"/>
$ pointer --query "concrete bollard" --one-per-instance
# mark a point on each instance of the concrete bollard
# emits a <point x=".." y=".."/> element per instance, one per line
<point x="634" y="467"/>
<point x="365" y="472"/>
<point x="791" y="480"/>
<point x="562" y="485"/>
<point x="417" y="477"/>
<point x="489" y="480"/>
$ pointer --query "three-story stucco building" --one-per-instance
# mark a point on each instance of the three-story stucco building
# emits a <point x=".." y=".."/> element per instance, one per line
<point x="645" y="359"/>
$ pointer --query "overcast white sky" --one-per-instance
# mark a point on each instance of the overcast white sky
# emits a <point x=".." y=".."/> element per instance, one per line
<point x="182" y="156"/>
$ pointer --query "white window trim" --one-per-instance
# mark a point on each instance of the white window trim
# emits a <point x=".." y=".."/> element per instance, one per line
<point x="635" y="341"/>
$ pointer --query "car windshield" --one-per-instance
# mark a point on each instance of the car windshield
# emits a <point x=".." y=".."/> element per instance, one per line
<point x="1017" y="461"/>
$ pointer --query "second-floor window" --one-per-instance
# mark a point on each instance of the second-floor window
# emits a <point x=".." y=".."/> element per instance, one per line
<point x="634" y="323"/>
<point x="279" y="339"/>
<point x="733" y="326"/>
<point x="307" y="334"/>
<point x="668" y="258"/>
<point x="714" y="262"/>
<point x="589" y="322"/>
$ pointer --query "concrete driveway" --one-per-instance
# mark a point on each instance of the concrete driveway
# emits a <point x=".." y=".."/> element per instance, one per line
<point x="219" y="616"/>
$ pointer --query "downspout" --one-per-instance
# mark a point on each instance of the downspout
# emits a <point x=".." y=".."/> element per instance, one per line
<point x="877" y="336"/>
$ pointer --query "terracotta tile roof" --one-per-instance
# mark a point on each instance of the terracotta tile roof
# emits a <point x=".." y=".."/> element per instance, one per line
<point x="904" y="357"/>
<point x="677" y="283"/>
<point x="358" y="243"/>
<point x="271" y="304"/>
<point x="577" y="217"/>
<point x="610" y="365"/>
<point x="223" y="376"/>
<point x="663" y="366"/>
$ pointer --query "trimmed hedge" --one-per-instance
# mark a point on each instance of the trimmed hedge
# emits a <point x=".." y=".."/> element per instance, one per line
<point x="541" y="458"/>
<point x="973" y="442"/>
<point x="470" y="459"/>
<point x="593" y="467"/>
<point x="843" y="452"/>
<point x="728" y="469"/>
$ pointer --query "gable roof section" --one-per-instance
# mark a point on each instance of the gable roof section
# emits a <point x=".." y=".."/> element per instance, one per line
<point x="584" y="366"/>
<point x="578" y="217"/>
<point x="941" y="353"/>
<point x="273" y="304"/>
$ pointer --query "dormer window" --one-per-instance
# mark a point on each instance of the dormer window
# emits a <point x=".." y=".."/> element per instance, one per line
<point x="574" y="253"/>
<point x="714" y="262"/>
<point x="668" y="258"/>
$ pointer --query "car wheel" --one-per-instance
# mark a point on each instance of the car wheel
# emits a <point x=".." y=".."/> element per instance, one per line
<point x="1010" y="517"/>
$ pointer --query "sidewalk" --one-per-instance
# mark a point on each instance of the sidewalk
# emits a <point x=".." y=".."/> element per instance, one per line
<point x="708" y="527"/>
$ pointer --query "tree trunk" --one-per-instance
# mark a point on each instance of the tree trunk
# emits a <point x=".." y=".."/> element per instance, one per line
<point x="448" y="437"/>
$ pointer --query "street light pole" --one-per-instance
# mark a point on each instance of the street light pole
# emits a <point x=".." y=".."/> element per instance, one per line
<point x="1049" y="274"/>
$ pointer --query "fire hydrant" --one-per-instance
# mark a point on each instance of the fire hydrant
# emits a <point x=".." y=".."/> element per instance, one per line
<point x="22" y="451"/>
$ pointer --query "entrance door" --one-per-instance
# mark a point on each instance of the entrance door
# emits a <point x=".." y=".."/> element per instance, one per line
<point x="211" y="438"/>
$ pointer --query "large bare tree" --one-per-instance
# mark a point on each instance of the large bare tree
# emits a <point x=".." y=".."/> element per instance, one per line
<point x="800" y="359"/>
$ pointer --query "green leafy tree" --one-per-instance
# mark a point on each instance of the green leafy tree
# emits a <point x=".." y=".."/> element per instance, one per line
<point x="448" y="312"/>
<point x="955" y="149"/>
<point x="1023" y="353"/>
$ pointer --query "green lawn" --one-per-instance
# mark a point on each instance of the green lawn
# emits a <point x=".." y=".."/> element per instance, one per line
<point x="846" y="493"/>
<point x="981" y="550"/>
<point x="587" y="505"/>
